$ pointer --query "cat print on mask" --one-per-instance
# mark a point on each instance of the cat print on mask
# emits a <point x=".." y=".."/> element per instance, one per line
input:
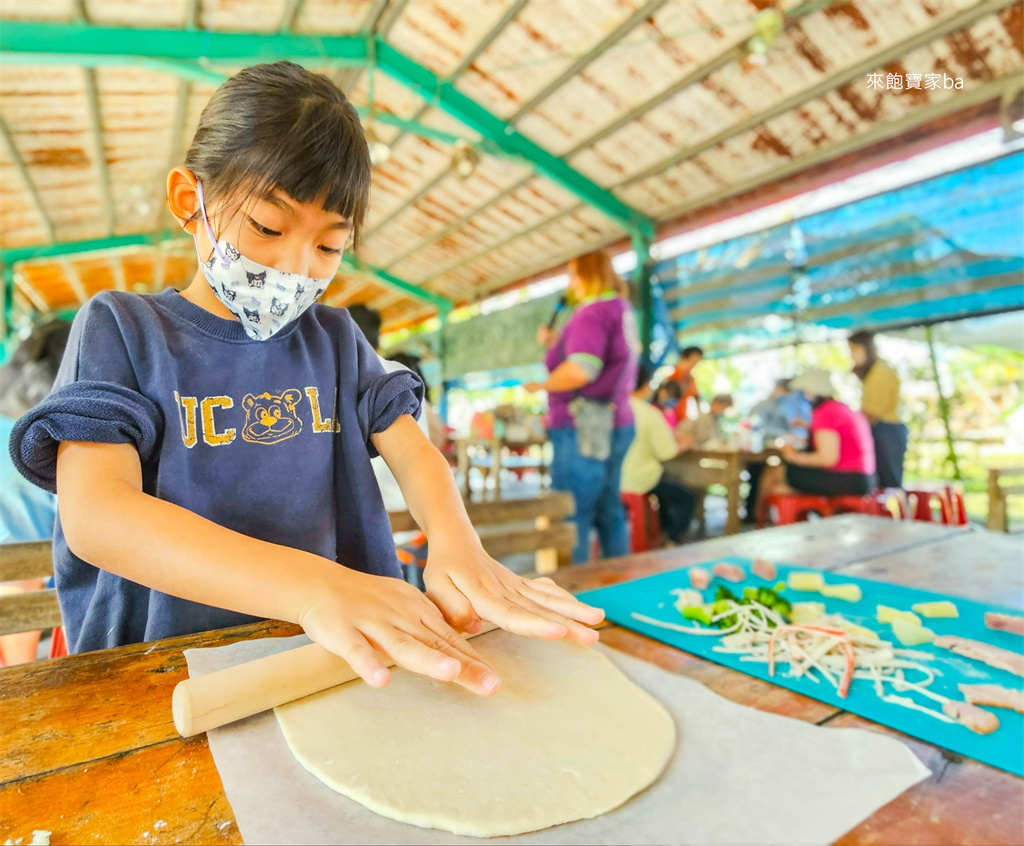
<point x="300" y="289"/>
<point x="276" y="307"/>
<point x="253" y="316"/>
<point x="256" y="280"/>
<point x="229" y="295"/>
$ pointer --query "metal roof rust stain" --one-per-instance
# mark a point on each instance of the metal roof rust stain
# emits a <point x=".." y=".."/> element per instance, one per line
<point x="1012" y="20"/>
<point x="453" y="23"/>
<point x="917" y="96"/>
<point x="73" y="157"/>
<point x="807" y="48"/>
<point x="813" y="130"/>
<point x="968" y="55"/>
<point x="849" y="11"/>
<point x="852" y="97"/>
<point x="710" y="26"/>
<point x="765" y="140"/>
<point x="723" y="94"/>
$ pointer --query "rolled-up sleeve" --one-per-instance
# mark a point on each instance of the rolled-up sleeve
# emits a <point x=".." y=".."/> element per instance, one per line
<point x="96" y="398"/>
<point x="97" y="412"/>
<point x="383" y="397"/>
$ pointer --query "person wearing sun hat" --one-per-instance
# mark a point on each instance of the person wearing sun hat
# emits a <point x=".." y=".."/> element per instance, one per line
<point x="840" y="459"/>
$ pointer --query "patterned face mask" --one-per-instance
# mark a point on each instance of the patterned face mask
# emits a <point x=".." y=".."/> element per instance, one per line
<point x="265" y="300"/>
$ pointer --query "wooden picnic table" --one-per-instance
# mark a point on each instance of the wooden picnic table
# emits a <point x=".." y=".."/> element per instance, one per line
<point x="698" y="468"/>
<point x="89" y="751"/>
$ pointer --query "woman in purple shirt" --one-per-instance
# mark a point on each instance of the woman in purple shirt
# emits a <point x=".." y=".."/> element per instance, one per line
<point x="592" y="366"/>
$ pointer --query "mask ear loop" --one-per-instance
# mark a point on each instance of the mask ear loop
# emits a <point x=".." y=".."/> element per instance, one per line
<point x="206" y="223"/>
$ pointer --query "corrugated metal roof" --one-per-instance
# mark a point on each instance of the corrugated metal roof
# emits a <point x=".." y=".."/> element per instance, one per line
<point x="660" y="103"/>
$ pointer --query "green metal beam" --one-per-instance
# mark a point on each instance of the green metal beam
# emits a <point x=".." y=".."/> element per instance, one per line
<point x="10" y="256"/>
<point x="82" y="40"/>
<point x="68" y="248"/>
<point x="448" y="98"/>
<point x="392" y="281"/>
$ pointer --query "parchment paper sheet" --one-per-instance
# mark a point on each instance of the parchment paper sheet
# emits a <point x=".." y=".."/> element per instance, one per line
<point x="738" y="776"/>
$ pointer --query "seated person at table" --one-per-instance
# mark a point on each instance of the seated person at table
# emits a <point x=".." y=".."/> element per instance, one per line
<point x="783" y="415"/>
<point x="667" y="399"/>
<point x="642" y="471"/>
<point x="706" y="430"/>
<point x="781" y="411"/>
<point x="841" y="457"/>
<point x="689" y="358"/>
<point x="212" y="446"/>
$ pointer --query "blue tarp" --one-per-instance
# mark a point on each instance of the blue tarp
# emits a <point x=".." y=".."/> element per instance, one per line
<point x="943" y="248"/>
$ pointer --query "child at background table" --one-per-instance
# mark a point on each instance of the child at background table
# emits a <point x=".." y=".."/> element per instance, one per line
<point x="212" y="447"/>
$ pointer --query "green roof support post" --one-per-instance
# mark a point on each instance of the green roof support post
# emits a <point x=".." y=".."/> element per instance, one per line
<point x="642" y="239"/>
<point x="943" y="405"/>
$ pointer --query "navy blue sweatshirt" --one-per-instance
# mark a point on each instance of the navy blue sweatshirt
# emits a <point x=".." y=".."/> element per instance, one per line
<point x="268" y="438"/>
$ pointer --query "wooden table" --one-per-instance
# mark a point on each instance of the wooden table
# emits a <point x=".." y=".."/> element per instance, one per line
<point x="496" y="448"/>
<point x="698" y="468"/>
<point x="89" y="752"/>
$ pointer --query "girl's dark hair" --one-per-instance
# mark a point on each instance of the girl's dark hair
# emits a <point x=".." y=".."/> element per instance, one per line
<point x="282" y="126"/>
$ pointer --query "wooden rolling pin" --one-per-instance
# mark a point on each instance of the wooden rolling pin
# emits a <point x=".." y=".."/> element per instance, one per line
<point x="223" y="696"/>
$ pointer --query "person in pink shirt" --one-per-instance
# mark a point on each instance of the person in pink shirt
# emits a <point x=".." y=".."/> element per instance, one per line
<point x="840" y="459"/>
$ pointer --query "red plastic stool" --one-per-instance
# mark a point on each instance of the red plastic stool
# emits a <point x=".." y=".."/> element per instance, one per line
<point x="942" y="501"/>
<point x="58" y="643"/>
<point x="867" y="504"/>
<point x="792" y="508"/>
<point x="892" y="502"/>
<point x="645" y="527"/>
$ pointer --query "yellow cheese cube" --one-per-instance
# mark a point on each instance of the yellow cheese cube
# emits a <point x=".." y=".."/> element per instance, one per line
<point x="808" y="582"/>
<point x="851" y="593"/>
<point x="910" y="634"/>
<point x="886" y="614"/>
<point x="944" y="608"/>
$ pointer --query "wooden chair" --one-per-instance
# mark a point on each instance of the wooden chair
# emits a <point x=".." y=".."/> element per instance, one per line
<point x="33" y="610"/>
<point x="997" y="494"/>
<point x="513" y="526"/>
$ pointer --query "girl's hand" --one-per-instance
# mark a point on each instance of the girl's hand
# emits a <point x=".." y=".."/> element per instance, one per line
<point x="357" y="615"/>
<point x="788" y="453"/>
<point x="546" y="337"/>
<point x="468" y="586"/>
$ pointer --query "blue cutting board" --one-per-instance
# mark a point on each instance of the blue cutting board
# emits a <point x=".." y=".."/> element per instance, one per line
<point x="1003" y="748"/>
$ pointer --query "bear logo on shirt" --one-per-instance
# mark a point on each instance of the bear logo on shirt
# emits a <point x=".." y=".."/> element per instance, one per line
<point x="271" y="418"/>
<point x="256" y="280"/>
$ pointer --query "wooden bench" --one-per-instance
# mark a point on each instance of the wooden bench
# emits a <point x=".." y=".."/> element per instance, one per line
<point x="506" y="528"/>
<point x="32" y="610"/>
<point x="513" y="526"/>
<point x="997" y="494"/>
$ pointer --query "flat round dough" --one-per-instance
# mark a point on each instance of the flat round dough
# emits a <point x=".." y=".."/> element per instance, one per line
<point x="567" y="737"/>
